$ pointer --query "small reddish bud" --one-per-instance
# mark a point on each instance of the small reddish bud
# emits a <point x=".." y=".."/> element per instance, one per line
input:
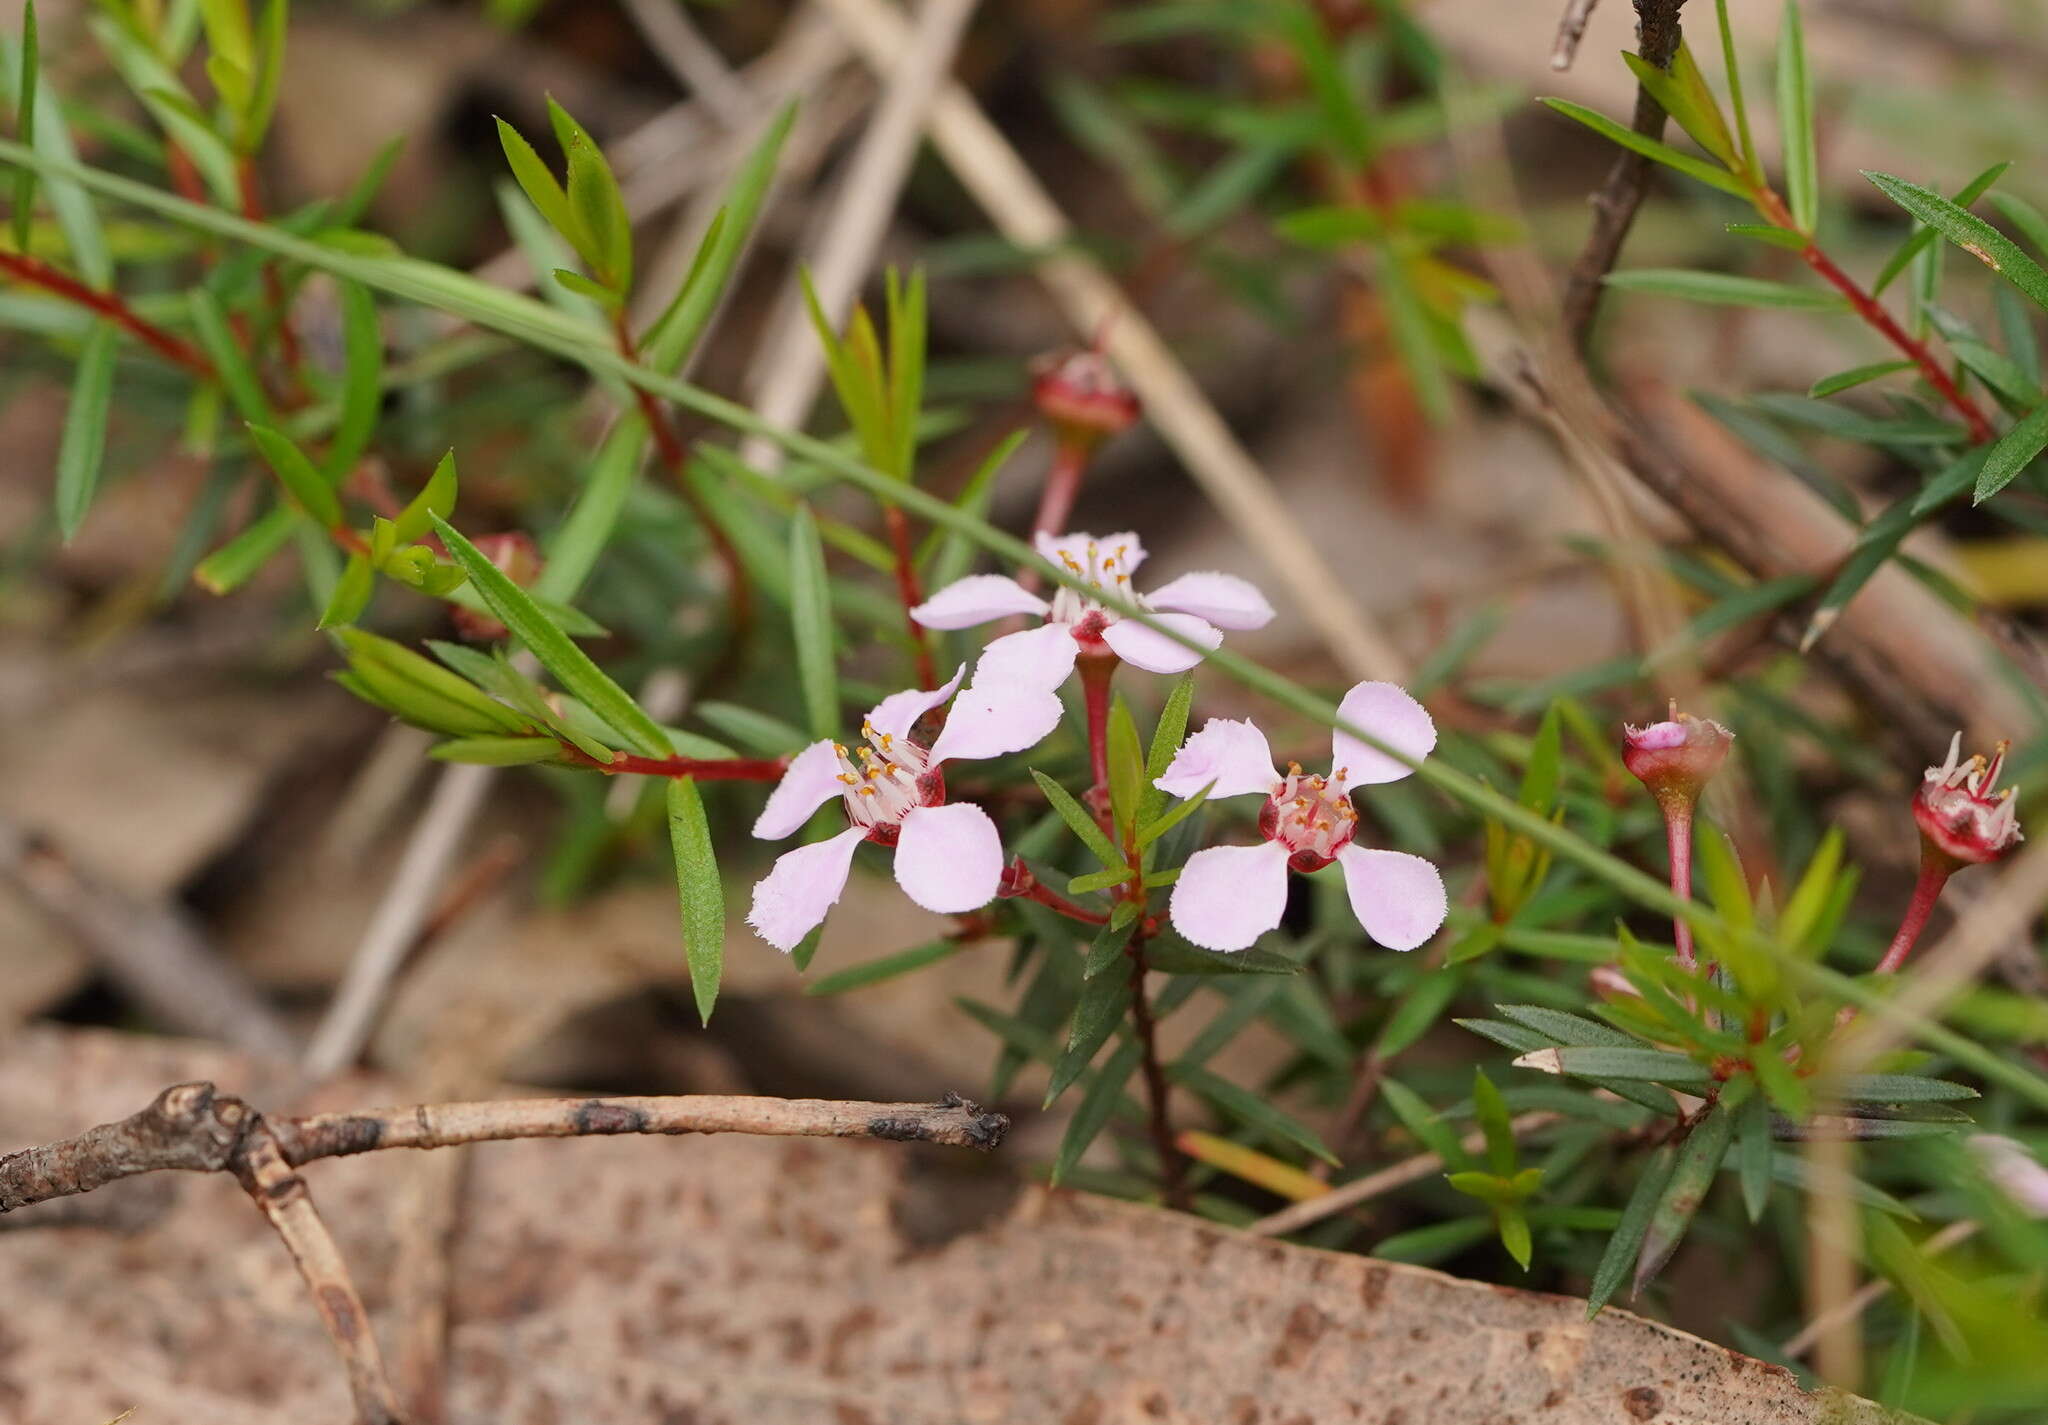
<point x="1963" y="817"/>
<point x="1674" y="758"/>
<point x="518" y="559"/>
<point x="1017" y="880"/>
<point x="1081" y="395"/>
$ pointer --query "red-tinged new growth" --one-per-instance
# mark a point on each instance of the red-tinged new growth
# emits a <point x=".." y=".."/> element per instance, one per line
<point x="1964" y="820"/>
<point x="517" y="557"/>
<point x="1674" y="759"/>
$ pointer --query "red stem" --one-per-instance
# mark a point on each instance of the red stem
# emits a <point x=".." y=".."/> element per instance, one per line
<point x="1054" y="901"/>
<point x="1062" y="484"/>
<point x="1868" y="308"/>
<point x="1678" y="837"/>
<point x="908" y="591"/>
<point x="109" y="305"/>
<point x="669" y="446"/>
<point x="1173" y="1164"/>
<point x="1934" y="874"/>
<point x="1096" y="673"/>
<point x="703" y="769"/>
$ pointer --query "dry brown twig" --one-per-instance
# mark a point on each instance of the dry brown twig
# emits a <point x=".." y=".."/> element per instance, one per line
<point x="1614" y="206"/>
<point x="194" y="1128"/>
<point x="1399" y="1175"/>
<point x="1570" y="30"/>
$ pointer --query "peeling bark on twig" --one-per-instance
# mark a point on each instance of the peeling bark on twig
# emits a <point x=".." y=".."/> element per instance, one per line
<point x="1614" y="206"/>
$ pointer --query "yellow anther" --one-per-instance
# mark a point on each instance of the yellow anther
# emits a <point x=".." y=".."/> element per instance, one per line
<point x="867" y="791"/>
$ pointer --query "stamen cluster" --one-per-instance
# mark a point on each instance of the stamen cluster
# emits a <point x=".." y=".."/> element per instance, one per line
<point x="891" y="777"/>
<point x="1961" y="812"/>
<point x="1311" y="816"/>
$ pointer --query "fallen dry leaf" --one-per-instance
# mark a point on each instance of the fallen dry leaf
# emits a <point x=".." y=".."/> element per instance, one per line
<point x="734" y="1280"/>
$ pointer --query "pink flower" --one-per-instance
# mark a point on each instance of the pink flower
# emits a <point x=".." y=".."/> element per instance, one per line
<point x="1196" y="605"/>
<point x="948" y="855"/>
<point x="1228" y="896"/>
<point x="2012" y="1170"/>
<point x="1961" y="812"/>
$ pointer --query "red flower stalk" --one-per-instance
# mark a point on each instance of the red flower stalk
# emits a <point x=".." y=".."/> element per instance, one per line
<point x="1964" y="820"/>
<point x="1085" y="402"/>
<point x="1674" y="759"/>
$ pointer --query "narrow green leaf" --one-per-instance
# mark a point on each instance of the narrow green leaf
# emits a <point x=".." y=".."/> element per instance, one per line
<point x="1687" y="100"/>
<point x="1627" y="1240"/>
<point x="1127" y="779"/>
<point x="1753" y="1153"/>
<point x="674" y="335"/>
<point x="1900" y="1088"/>
<point x="1099" y="880"/>
<point x="25" y="125"/>
<point x="1159" y="826"/>
<point x="597" y="209"/>
<point x="571" y="666"/>
<point x="1880" y="538"/>
<point x="534" y="179"/>
<point x="2013" y="452"/>
<point x="352" y="593"/>
<point x="1650" y="148"/>
<point x="582" y="536"/>
<point x="1111" y="941"/>
<point x="1968" y="232"/>
<point x="885" y="967"/>
<point x="1923" y="236"/>
<point x="296" y="473"/>
<point x="1654" y="1065"/>
<point x="498" y="751"/>
<point x="699" y="891"/>
<point x="1691" y="1177"/>
<point x="1100" y="1009"/>
<point x="1094" y="1109"/>
<point x="1251" y="1110"/>
<point x="810" y="613"/>
<point x="1567" y="1029"/>
<point x="82" y="450"/>
<point x="1750" y="166"/>
<point x="236" y="562"/>
<point x="1856" y="376"/>
<point x="436" y="497"/>
<point x="1723" y="288"/>
<point x="1079" y="821"/>
<point x="1491" y="1110"/>
<point x="1167" y="735"/>
<point x="1419" y="1008"/>
<point x="210" y="325"/>
<point x="1795" y="117"/>
<point x="362" y="382"/>
<point x="1770" y="233"/>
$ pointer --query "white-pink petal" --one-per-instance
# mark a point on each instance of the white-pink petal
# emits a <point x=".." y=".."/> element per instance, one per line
<point x="1398" y="898"/>
<point x="899" y="712"/>
<point x="1041" y="657"/>
<point x="811" y="780"/>
<point x="792" y="899"/>
<point x="1231" y="753"/>
<point x="1228" y="896"/>
<point x="977" y="599"/>
<point x="949" y="858"/>
<point x="1124" y="547"/>
<point x="994" y="720"/>
<point x="1147" y="648"/>
<point x="1223" y="599"/>
<point x="1387" y="712"/>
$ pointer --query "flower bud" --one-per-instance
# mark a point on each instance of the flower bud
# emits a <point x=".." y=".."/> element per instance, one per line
<point x="518" y="559"/>
<point x="1674" y="758"/>
<point x="1081" y="395"/>
<point x="1963" y="817"/>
